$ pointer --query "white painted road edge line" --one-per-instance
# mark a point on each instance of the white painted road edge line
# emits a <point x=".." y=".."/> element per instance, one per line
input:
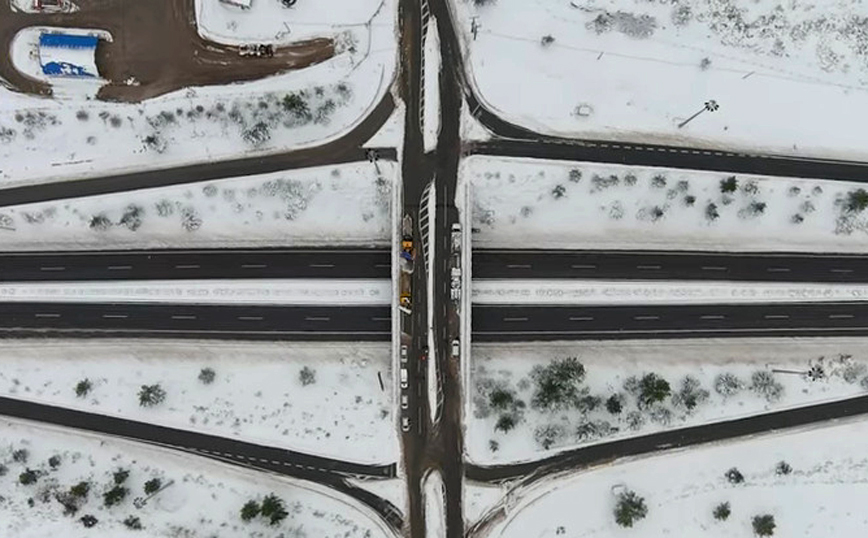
<point x="599" y="292"/>
<point x="206" y="292"/>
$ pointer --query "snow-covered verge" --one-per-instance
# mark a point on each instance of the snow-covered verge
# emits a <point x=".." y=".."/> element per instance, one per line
<point x="270" y="22"/>
<point x="812" y="482"/>
<point x="74" y="136"/>
<point x="478" y="498"/>
<point x="204" y="499"/>
<point x="601" y="391"/>
<point x="435" y="516"/>
<point x="321" y="398"/>
<point x="296" y="291"/>
<point x="345" y="204"/>
<point x="540" y="204"/>
<point x="431" y="88"/>
<point x="789" y="77"/>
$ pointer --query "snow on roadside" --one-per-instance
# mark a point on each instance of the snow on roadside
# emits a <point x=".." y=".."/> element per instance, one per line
<point x="345" y="204"/>
<point x="393" y="490"/>
<point x="257" y="393"/>
<point x="551" y="204"/>
<point x="205" y="498"/>
<point x="69" y="137"/>
<point x="435" y="515"/>
<point x="478" y="498"/>
<point x="633" y="70"/>
<point x="431" y="76"/>
<point x="616" y="292"/>
<point x="609" y="365"/>
<point x="824" y="490"/>
<point x="296" y="291"/>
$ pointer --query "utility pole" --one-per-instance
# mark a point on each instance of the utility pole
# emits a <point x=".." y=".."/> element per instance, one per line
<point x="710" y="106"/>
<point x="474" y="27"/>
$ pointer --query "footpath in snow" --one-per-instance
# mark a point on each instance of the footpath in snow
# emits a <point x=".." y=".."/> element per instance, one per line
<point x="787" y="78"/>
<point x="320" y="398"/>
<point x="204" y="499"/>
<point x="811" y="482"/>
<point x="599" y="391"/>
<point x="528" y="203"/>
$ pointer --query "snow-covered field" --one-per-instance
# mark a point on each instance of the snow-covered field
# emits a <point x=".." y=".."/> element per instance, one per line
<point x="204" y="500"/>
<point x="822" y="494"/>
<point x="73" y="136"/>
<point x="345" y="204"/>
<point x="295" y="291"/>
<point x="789" y="77"/>
<point x="258" y="393"/>
<point x="548" y="204"/>
<point x="505" y="384"/>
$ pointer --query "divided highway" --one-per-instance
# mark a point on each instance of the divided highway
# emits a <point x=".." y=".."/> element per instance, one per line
<point x="661" y="265"/>
<point x="196" y="264"/>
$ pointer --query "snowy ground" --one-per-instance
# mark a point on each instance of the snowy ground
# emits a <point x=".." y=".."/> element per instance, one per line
<point x="205" y="499"/>
<point x="257" y="393"/>
<point x="435" y="516"/>
<point x="789" y="77"/>
<point x="821" y="496"/>
<point x="431" y="77"/>
<point x="608" y="365"/>
<point x="294" y="291"/>
<point x="336" y="205"/>
<point x="547" y="204"/>
<point x="601" y="292"/>
<point x="479" y="498"/>
<point x="73" y="136"/>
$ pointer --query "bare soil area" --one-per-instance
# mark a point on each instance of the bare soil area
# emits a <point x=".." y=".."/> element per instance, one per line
<point x="157" y="45"/>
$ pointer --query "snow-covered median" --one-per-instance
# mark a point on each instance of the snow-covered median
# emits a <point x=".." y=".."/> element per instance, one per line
<point x="211" y="292"/>
<point x="788" y="78"/>
<point x="600" y="390"/>
<point x="321" y="398"/>
<point x="431" y="88"/>
<point x="204" y="499"/>
<point x="528" y="203"/>
<point x="435" y="515"/>
<point x="811" y="482"/>
<point x="338" y="205"/>
<point x="601" y="292"/>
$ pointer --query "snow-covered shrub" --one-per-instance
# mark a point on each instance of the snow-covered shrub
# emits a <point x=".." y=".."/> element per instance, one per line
<point x="151" y="395"/>
<point x="307" y="376"/>
<point x="727" y="384"/>
<point x="207" y="375"/>
<point x="764" y="384"/>
<point x="629" y="508"/>
<point x="549" y="435"/>
<point x="783" y="468"/>
<point x="722" y="511"/>
<point x="635" y="420"/>
<point x="763" y="525"/>
<point x="690" y="393"/>
<point x="734" y="476"/>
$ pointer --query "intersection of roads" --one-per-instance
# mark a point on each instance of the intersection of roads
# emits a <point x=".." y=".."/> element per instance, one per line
<point x="431" y="444"/>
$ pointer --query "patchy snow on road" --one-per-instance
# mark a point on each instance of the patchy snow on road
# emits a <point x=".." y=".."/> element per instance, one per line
<point x="811" y="481"/>
<point x="708" y="381"/>
<point x="788" y="77"/>
<point x="288" y="291"/>
<point x="336" y="205"/>
<point x="633" y="292"/>
<point x="435" y="510"/>
<point x="321" y="398"/>
<point x="204" y="499"/>
<point x="548" y="204"/>
<point x="431" y="88"/>
<point x="71" y="137"/>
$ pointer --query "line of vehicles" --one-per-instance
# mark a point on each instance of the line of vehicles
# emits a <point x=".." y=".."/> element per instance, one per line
<point x="405" y="397"/>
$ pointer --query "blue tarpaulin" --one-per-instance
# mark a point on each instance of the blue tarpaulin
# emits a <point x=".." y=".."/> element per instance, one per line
<point x="68" y="55"/>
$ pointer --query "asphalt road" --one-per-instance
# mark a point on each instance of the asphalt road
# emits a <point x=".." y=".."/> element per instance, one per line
<point x="353" y="323"/>
<point x="663" y="265"/>
<point x="517" y="323"/>
<point x="195" y="264"/>
<point x="277" y="460"/>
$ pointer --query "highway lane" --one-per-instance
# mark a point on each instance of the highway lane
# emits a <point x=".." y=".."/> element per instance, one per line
<point x="277" y="460"/>
<point x="662" y="265"/>
<point x="522" y="323"/>
<point x="351" y="323"/>
<point x="196" y="264"/>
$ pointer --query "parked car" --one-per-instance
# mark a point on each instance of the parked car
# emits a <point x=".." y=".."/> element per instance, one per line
<point x="405" y="401"/>
<point x="424" y="355"/>
<point x="456" y="348"/>
<point x="405" y="424"/>
<point x="403" y="378"/>
<point x="403" y="352"/>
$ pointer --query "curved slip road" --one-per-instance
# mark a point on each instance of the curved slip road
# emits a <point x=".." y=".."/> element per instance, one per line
<point x="522" y="323"/>
<point x="662" y="265"/>
<point x="351" y="323"/>
<point x="196" y="264"/>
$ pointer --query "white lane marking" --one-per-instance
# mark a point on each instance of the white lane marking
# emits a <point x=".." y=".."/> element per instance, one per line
<point x="840" y="316"/>
<point x="651" y="267"/>
<point x="514" y="319"/>
<point x="646" y="318"/>
<point x="713" y="268"/>
<point x="320" y="318"/>
<point x="585" y="266"/>
<point x="250" y="318"/>
<point x="712" y="317"/>
<point x="53" y="268"/>
<point x="47" y="315"/>
<point x="114" y="316"/>
<point x="183" y="317"/>
<point x="254" y="266"/>
<point x="778" y="269"/>
<point x="582" y="318"/>
<point x="776" y="316"/>
<point x="840" y="270"/>
<point x="322" y="265"/>
<point x="518" y="266"/>
<point x="187" y="266"/>
<point x="381" y="319"/>
<point x="119" y="267"/>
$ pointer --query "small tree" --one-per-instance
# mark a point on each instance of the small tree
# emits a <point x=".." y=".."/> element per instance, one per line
<point x="250" y="510"/>
<point x="80" y="490"/>
<point x="690" y="394"/>
<point x="734" y="476"/>
<point x="783" y="468"/>
<point x="207" y="375"/>
<point x="721" y="511"/>
<point x="21" y="455"/>
<point x="505" y="423"/>
<point x="711" y="213"/>
<point x="615" y="403"/>
<point x="89" y="521"/>
<point x="151" y="395"/>
<point x="856" y="201"/>
<point x="727" y="384"/>
<point x="120" y="476"/>
<point x="28" y="477"/>
<point x="764" y="384"/>
<point x="54" y="461"/>
<point x="133" y="523"/>
<point x="82" y="388"/>
<point x="114" y="496"/>
<point x="764" y="525"/>
<point x="630" y="508"/>
<point x="728" y="185"/>
<point x="501" y="399"/>
<point x="653" y="388"/>
<point x="273" y="509"/>
<point x="153" y="485"/>
<point x="307" y="376"/>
